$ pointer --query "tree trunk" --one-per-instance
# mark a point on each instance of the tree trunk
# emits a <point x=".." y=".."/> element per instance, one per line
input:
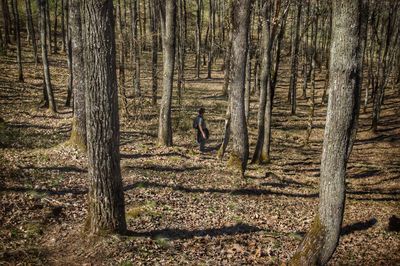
<point x="294" y="61"/>
<point x="154" y="50"/>
<point x="168" y="22"/>
<point x="75" y="48"/>
<point x="55" y="26"/>
<point x="211" y="37"/>
<point x="136" y="48"/>
<point x="320" y="243"/>
<point x="18" y="38"/>
<point x="198" y="37"/>
<point x="106" y="199"/>
<point x="43" y="39"/>
<point x="240" y="28"/>
<point x="32" y="34"/>
<point x="69" y="59"/>
<point x="6" y="21"/>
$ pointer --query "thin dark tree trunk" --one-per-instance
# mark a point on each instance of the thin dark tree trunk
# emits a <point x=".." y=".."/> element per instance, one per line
<point x="122" y="55"/>
<point x="294" y="61"/>
<point x="136" y="48"/>
<point x="70" y="56"/>
<point x="6" y="21"/>
<point x="32" y="31"/>
<point x="48" y="25"/>
<point x="211" y="37"/>
<point x="168" y="22"/>
<point x="55" y="26"/>
<point x="240" y="28"/>
<point x="63" y="11"/>
<point x="18" y="39"/>
<point x="154" y="50"/>
<point x="321" y="241"/>
<point x="46" y="68"/>
<point x="198" y="37"/>
<point x="106" y="198"/>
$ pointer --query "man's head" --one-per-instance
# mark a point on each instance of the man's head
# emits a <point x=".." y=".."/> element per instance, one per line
<point x="202" y="111"/>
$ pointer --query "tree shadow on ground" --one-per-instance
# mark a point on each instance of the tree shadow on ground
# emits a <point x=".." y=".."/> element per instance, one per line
<point x="359" y="226"/>
<point x="149" y="155"/>
<point x="241" y="191"/>
<point x="161" y="168"/>
<point x="187" y="234"/>
<point x="45" y="191"/>
<point x="63" y="169"/>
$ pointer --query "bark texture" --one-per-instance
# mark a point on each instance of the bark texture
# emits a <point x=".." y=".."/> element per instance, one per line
<point x="168" y="22"/>
<point x="106" y="199"/>
<point x="240" y="28"/>
<point x="344" y="84"/>
<point x="78" y="134"/>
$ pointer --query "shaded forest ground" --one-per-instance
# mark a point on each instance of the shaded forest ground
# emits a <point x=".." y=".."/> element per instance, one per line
<point x="184" y="207"/>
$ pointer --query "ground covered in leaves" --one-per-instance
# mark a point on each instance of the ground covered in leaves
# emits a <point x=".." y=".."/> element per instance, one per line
<point x="183" y="207"/>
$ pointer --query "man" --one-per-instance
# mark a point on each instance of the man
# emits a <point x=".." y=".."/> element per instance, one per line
<point x="202" y="131"/>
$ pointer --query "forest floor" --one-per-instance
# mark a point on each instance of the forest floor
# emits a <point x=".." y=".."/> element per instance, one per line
<point x="183" y="207"/>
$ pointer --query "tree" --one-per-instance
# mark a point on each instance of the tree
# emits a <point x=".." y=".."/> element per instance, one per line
<point x="154" y="50"/>
<point x="75" y="48"/>
<point x="135" y="46"/>
<point x="31" y="29"/>
<point x="106" y="199"/>
<point x="6" y="21"/>
<point x="344" y="90"/>
<point x="294" y="60"/>
<point x="240" y="28"/>
<point x="49" y="97"/>
<point x="168" y="21"/>
<point x="18" y="38"/>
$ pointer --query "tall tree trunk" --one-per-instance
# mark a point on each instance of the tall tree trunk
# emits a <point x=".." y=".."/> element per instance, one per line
<point x="75" y="48"/>
<point x="48" y="25"/>
<point x="122" y="55"/>
<point x="198" y="37"/>
<point x="240" y="28"/>
<point x="28" y="9"/>
<point x="55" y="26"/>
<point x="168" y="22"/>
<point x="136" y="48"/>
<point x="6" y="21"/>
<point x="321" y="241"/>
<point x="63" y="11"/>
<point x="265" y="77"/>
<point x="154" y="50"/>
<point x="106" y="198"/>
<point x="18" y="38"/>
<point x="294" y="61"/>
<point x="211" y="37"/>
<point x="43" y="40"/>
<point x="69" y="58"/>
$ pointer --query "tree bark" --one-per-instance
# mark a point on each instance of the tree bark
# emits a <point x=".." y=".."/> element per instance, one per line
<point x="32" y="34"/>
<point x="345" y="65"/>
<point x="154" y="50"/>
<point x="18" y="38"/>
<point x="106" y="199"/>
<point x="6" y="21"/>
<point x="168" y="23"/>
<point x="43" y="39"/>
<point x="240" y="28"/>
<point x="75" y="43"/>
<point x="294" y="61"/>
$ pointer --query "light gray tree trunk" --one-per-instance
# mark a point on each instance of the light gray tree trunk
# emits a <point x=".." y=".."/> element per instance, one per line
<point x="240" y="28"/>
<point x="78" y="133"/>
<point x="344" y="89"/>
<point x="168" y="23"/>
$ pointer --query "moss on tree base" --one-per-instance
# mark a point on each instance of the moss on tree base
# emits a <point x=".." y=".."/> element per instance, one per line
<point x="310" y="248"/>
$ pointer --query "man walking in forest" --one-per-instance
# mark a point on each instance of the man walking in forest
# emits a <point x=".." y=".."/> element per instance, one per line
<point x="202" y="132"/>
